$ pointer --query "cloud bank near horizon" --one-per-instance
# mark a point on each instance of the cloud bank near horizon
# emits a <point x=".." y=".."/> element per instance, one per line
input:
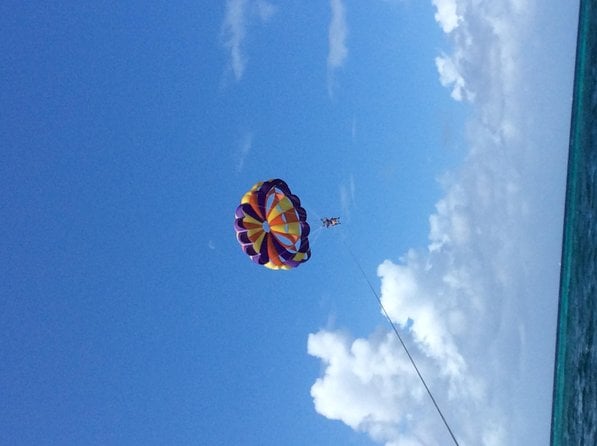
<point x="475" y="304"/>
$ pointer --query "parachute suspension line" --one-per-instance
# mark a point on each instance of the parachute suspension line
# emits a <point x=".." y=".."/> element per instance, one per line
<point x="412" y="361"/>
<point x="314" y="236"/>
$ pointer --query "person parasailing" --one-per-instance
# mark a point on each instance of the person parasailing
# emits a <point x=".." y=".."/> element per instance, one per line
<point x="328" y="222"/>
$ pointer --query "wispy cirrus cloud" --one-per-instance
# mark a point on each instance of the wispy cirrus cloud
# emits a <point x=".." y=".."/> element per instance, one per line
<point x="234" y="33"/>
<point x="238" y="17"/>
<point x="467" y="304"/>
<point x="265" y="10"/>
<point x="244" y="148"/>
<point x="337" y="35"/>
<point x="347" y="196"/>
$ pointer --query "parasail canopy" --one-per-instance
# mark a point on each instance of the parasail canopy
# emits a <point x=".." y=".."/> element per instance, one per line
<point x="272" y="227"/>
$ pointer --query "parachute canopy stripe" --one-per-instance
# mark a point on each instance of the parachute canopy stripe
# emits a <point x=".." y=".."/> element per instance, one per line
<point x="271" y="226"/>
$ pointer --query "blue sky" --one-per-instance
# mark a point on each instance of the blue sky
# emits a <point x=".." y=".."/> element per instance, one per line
<point x="436" y="129"/>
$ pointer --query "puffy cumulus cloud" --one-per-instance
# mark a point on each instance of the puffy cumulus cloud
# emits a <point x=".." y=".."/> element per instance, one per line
<point x="449" y="76"/>
<point x="238" y="16"/>
<point x="477" y="306"/>
<point x="409" y="300"/>
<point x="368" y="385"/>
<point x="487" y="37"/>
<point x="446" y="14"/>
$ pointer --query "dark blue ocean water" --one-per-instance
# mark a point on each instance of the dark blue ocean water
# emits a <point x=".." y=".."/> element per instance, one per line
<point x="574" y="417"/>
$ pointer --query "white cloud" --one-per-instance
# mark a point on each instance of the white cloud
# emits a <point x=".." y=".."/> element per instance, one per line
<point x="347" y="196"/>
<point x="234" y="30"/>
<point x="337" y="34"/>
<point x="244" y="148"/>
<point x="447" y="15"/>
<point x="450" y="77"/>
<point x="408" y="294"/>
<point x="265" y="10"/>
<point x="238" y="17"/>
<point x="367" y="384"/>
<point x="487" y="39"/>
<point x="478" y="305"/>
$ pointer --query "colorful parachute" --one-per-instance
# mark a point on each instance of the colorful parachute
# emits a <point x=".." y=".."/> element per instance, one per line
<point x="272" y="226"/>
